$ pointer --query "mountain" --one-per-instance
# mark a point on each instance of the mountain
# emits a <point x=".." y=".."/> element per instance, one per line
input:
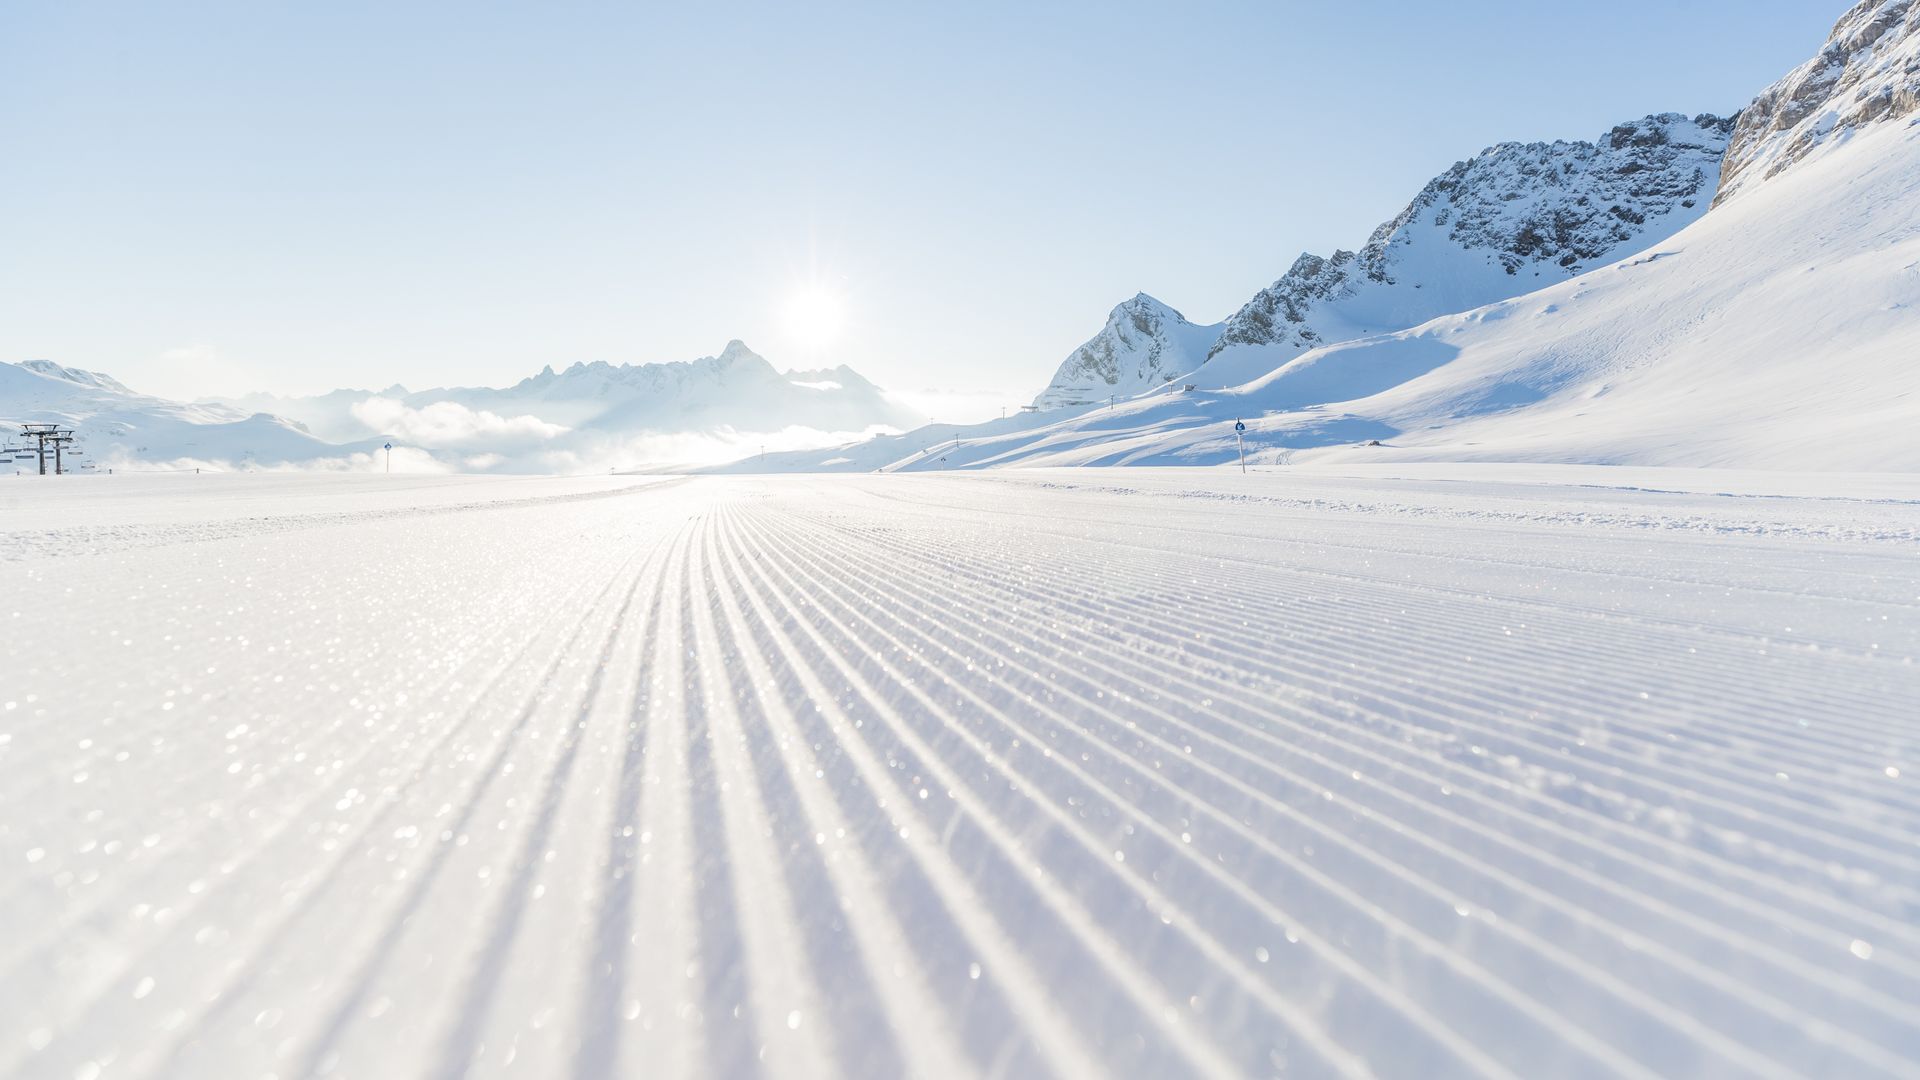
<point x="737" y="390"/>
<point x="1504" y="222"/>
<point x="1775" y="331"/>
<point x="116" y="426"/>
<point x="588" y="417"/>
<point x="1144" y="344"/>
<point x="1508" y="220"/>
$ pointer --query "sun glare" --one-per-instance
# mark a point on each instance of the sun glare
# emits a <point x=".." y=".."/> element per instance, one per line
<point x="815" y="315"/>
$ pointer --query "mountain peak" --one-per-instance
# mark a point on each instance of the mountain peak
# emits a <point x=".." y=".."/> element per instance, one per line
<point x="1143" y="306"/>
<point x="1144" y="344"/>
<point x="737" y="350"/>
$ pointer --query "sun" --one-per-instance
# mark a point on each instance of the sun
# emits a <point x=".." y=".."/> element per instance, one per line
<point x="815" y="315"/>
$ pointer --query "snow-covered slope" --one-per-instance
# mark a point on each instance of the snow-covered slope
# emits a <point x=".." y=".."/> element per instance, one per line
<point x="117" y="427"/>
<point x="1144" y="344"/>
<point x="1100" y="773"/>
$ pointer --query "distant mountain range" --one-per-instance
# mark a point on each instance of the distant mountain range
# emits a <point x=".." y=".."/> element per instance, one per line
<point x="116" y="425"/>
<point x="588" y="415"/>
<point x="737" y="389"/>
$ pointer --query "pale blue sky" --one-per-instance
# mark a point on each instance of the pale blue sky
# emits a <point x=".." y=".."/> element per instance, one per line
<point x="211" y="197"/>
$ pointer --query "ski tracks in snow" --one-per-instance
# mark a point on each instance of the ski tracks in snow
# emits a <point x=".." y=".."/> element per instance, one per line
<point x="946" y="776"/>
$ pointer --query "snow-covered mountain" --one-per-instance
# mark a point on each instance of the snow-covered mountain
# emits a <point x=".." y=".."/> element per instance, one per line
<point x="588" y="416"/>
<point x="1144" y="344"/>
<point x="119" y="426"/>
<point x="737" y="390"/>
<point x="1776" y="331"/>
<point x="1510" y="219"/>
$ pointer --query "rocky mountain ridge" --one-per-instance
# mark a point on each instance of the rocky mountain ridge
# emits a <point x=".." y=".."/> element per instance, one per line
<point x="1525" y="210"/>
<point x="1515" y="217"/>
<point x="1867" y="73"/>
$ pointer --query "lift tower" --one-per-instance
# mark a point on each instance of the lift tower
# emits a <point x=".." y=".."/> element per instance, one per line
<point x="49" y="435"/>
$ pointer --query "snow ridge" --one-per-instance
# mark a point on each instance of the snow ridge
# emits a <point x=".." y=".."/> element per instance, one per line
<point x="96" y="380"/>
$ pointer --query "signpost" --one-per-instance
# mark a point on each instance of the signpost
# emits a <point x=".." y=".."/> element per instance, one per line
<point x="1240" y="436"/>
<point x="389" y="459"/>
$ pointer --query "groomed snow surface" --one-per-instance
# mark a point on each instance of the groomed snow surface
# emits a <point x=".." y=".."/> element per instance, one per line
<point x="1525" y="773"/>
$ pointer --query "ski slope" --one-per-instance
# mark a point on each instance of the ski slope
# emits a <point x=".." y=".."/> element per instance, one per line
<point x="1476" y="772"/>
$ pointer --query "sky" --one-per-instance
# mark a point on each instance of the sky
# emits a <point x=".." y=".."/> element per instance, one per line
<point x="207" y="198"/>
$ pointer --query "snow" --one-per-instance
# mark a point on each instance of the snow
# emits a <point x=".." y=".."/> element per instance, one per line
<point x="1470" y="770"/>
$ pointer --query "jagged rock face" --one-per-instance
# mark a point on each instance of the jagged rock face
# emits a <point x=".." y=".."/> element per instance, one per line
<point x="1869" y="72"/>
<point x="1531" y="213"/>
<point x="1280" y="312"/>
<point x="1144" y="344"/>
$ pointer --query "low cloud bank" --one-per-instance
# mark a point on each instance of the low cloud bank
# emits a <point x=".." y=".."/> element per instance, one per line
<point x="450" y="424"/>
<point x="560" y="452"/>
<point x="666" y="451"/>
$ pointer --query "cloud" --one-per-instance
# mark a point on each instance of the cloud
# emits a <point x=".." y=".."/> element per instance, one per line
<point x="406" y="459"/>
<point x="576" y="452"/>
<point x="957" y="406"/>
<point x="450" y="424"/>
<point x="662" y="452"/>
<point x="187" y="372"/>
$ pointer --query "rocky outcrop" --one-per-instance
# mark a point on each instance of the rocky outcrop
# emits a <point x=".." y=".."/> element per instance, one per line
<point x="1868" y="73"/>
<point x="1523" y="210"/>
<point x="1144" y="344"/>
